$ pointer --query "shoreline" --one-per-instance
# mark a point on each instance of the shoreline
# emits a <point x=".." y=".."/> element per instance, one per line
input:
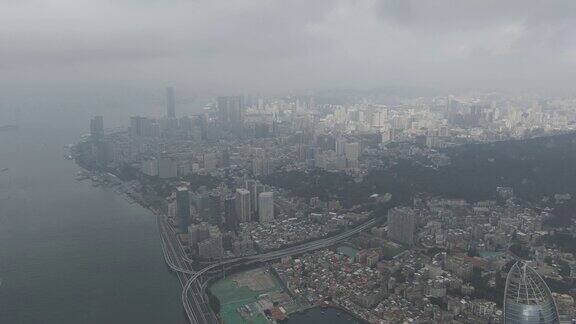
<point x="132" y="200"/>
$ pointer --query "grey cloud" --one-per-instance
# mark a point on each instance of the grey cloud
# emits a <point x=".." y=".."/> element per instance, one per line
<point x="449" y="14"/>
<point x="267" y="45"/>
<point x="48" y="49"/>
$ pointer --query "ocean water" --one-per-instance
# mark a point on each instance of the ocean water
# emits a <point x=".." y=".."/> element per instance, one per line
<point x="71" y="252"/>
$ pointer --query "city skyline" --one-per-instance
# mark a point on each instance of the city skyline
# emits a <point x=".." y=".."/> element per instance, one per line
<point x="406" y="196"/>
<point x="296" y="162"/>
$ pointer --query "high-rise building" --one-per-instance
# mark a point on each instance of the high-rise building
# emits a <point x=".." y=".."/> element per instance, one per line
<point x="432" y="139"/>
<point x="202" y="204"/>
<point x="340" y="146"/>
<point x="166" y="168"/>
<point x="231" y="112"/>
<point x="261" y="167"/>
<point x="266" y="207"/>
<point x="183" y="208"/>
<point x="231" y="216"/>
<point x="250" y="185"/>
<point x="150" y="167"/>
<point x="225" y="158"/>
<point x="527" y="298"/>
<point x="380" y="117"/>
<point x="243" y="205"/>
<point x="388" y="134"/>
<point x="255" y="188"/>
<point x="401" y="225"/>
<point x="242" y="245"/>
<point x="352" y="152"/>
<point x="212" y="246"/>
<point x="97" y="127"/>
<point x="141" y="126"/>
<point x="196" y="234"/>
<point x="210" y="161"/>
<point x="170" y="103"/>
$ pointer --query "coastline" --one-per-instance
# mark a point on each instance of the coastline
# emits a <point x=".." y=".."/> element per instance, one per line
<point x="126" y="194"/>
<point x="93" y="254"/>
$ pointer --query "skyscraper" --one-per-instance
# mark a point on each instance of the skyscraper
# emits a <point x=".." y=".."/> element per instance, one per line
<point x="97" y="127"/>
<point x="183" y="208"/>
<point x="150" y="167"/>
<point x="340" y="146"/>
<point x="243" y="206"/>
<point x="170" y="103"/>
<point x="527" y="298"/>
<point x="231" y="216"/>
<point x="197" y="233"/>
<point x="211" y="248"/>
<point x="166" y="168"/>
<point x="255" y="188"/>
<point x="401" y="223"/>
<point x="266" y="207"/>
<point x="231" y="112"/>
<point x="352" y="152"/>
<point x="141" y="126"/>
<point x="261" y="167"/>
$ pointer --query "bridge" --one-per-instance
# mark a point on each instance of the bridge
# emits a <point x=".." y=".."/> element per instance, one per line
<point x="193" y="291"/>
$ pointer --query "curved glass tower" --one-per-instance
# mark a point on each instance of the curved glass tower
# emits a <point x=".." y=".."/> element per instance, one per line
<point x="527" y="298"/>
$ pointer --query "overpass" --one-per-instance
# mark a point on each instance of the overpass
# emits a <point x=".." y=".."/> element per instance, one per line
<point x="195" y="287"/>
<point x="198" y="311"/>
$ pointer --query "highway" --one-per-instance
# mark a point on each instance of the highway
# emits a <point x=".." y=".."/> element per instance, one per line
<point x="197" y="309"/>
<point x="194" y="286"/>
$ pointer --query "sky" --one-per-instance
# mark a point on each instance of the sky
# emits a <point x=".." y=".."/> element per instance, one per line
<point x="269" y="46"/>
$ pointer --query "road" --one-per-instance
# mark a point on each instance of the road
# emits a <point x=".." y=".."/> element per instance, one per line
<point x="197" y="308"/>
<point x="193" y="296"/>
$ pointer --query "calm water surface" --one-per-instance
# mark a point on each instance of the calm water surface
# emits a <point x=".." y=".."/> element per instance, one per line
<point x="74" y="253"/>
<point x="70" y="252"/>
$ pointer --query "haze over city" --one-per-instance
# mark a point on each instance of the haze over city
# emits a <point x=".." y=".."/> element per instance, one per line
<point x="295" y="162"/>
<point x="263" y="46"/>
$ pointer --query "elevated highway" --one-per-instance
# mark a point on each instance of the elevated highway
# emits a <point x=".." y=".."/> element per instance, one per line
<point x="193" y="293"/>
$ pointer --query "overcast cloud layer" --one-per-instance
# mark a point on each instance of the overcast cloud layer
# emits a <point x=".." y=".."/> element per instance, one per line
<point x="264" y="45"/>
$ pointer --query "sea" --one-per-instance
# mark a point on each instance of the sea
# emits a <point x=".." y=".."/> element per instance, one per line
<point x="71" y="252"/>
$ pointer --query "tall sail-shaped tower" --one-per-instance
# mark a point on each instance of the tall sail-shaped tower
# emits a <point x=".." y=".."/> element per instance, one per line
<point x="527" y="298"/>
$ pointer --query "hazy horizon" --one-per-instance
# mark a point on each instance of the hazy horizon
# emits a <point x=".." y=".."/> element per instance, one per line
<point x="207" y="47"/>
<point x="296" y="161"/>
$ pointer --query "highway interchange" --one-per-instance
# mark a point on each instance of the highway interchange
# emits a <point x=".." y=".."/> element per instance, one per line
<point x="194" y="283"/>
